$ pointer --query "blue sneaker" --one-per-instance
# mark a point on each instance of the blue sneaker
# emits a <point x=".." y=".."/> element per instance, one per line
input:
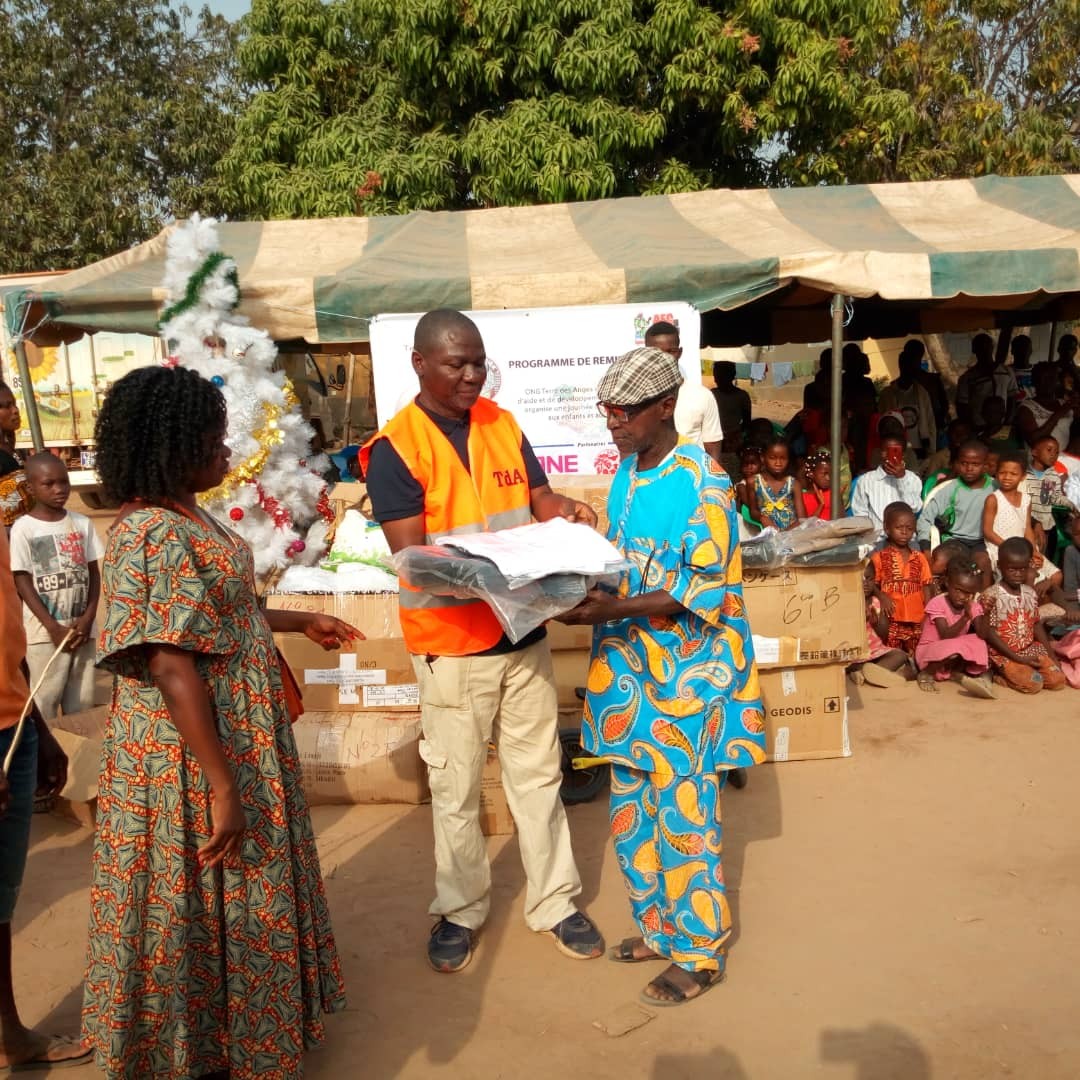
<point x="450" y="947"/>
<point x="577" y="937"/>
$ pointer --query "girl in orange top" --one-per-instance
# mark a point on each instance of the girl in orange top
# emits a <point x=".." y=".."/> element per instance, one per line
<point x="902" y="579"/>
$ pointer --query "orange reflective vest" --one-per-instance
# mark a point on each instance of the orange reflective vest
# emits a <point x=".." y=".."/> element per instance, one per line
<point x="494" y="496"/>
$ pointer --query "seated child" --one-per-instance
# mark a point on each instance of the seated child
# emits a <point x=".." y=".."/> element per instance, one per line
<point x="891" y="426"/>
<point x="1007" y="513"/>
<point x="774" y="495"/>
<point x="940" y="558"/>
<point x="902" y="579"/>
<point x="749" y="467"/>
<point x="949" y="647"/>
<point x="886" y="667"/>
<point x="1019" y="647"/>
<point x="1046" y="488"/>
<point x="955" y="508"/>
<point x="817" y="478"/>
<point x="938" y="466"/>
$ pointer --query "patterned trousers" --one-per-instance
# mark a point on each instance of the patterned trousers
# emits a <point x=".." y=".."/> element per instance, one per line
<point x="667" y="836"/>
<point x="1041" y="672"/>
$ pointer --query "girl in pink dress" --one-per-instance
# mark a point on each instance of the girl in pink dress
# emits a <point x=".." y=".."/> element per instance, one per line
<point x="949" y="647"/>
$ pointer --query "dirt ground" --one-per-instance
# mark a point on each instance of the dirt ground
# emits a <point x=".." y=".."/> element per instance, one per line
<point x="908" y="913"/>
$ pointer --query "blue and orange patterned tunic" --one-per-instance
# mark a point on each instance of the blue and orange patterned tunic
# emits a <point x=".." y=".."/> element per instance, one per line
<point x="674" y="703"/>
<point x="679" y="691"/>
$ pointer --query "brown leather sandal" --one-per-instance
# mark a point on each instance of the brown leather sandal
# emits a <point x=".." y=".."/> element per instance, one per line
<point x="623" y="953"/>
<point x="705" y="980"/>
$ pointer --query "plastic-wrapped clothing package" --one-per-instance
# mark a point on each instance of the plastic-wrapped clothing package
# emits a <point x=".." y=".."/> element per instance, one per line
<point x="811" y="543"/>
<point x="531" y="552"/>
<point x="445" y="571"/>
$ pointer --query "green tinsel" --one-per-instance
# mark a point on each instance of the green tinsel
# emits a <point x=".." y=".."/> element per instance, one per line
<point x="195" y="284"/>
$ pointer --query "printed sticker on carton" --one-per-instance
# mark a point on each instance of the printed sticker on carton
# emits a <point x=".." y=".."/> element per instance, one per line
<point x="781" y="743"/>
<point x="383" y="697"/>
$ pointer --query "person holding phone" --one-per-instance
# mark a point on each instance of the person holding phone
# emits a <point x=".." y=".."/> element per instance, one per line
<point x="890" y="482"/>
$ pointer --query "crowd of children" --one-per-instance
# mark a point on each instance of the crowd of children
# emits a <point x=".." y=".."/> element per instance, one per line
<point x="976" y="576"/>
<point x="987" y="604"/>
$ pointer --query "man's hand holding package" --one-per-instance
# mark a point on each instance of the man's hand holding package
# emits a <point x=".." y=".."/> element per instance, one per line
<point x="547" y="504"/>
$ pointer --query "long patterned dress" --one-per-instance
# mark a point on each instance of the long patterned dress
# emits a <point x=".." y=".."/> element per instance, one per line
<point x="674" y="702"/>
<point x="195" y="970"/>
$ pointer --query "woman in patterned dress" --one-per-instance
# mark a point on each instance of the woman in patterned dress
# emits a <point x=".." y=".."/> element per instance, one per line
<point x="210" y="951"/>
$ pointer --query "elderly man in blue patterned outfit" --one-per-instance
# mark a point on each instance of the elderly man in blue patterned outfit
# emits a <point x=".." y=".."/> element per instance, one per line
<point x="672" y="700"/>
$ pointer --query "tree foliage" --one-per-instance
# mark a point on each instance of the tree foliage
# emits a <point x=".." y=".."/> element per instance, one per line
<point x="964" y="88"/>
<point x="377" y="106"/>
<point x="113" y="114"/>
<point x="116" y="115"/>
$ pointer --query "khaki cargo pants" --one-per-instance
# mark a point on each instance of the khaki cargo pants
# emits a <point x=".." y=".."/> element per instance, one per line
<point x="465" y="702"/>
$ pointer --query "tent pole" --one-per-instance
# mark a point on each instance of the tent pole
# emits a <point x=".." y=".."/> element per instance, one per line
<point x="350" y="372"/>
<point x="93" y="379"/>
<point x="837" y="310"/>
<point x="29" y="401"/>
<point x="1053" y="342"/>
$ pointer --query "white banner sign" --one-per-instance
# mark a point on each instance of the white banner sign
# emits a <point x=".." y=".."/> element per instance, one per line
<point x="543" y="366"/>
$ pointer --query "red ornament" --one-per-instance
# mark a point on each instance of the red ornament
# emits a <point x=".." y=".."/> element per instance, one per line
<point x="326" y="511"/>
<point x="281" y="517"/>
<point x="236" y="514"/>
<point x="297" y="546"/>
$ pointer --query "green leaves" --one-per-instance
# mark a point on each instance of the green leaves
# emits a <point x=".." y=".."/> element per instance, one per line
<point x="118" y="114"/>
<point x="112" y="118"/>
<point x="967" y="87"/>
<point x="459" y="103"/>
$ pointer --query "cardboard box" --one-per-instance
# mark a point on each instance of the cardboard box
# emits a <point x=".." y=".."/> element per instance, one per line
<point x="564" y="638"/>
<point x="375" y="615"/>
<point x="346" y="757"/>
<point x="81" y="735"/>
<point x="366" y="757"/>
<point x="365" y="675"/>
<point x="495" y="816"/>
<point x="821" y="609"/>
<point x="806" y="712"/>
<point x="347" y="495"/>
<point x="592" y="490"/>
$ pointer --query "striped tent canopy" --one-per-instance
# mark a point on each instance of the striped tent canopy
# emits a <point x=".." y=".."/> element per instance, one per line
<point x="760" y="265"/>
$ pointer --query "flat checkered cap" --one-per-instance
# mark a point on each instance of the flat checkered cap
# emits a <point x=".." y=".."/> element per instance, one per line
<point x="639" y="375"/>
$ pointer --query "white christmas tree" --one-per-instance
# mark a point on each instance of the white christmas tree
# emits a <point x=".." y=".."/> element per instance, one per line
<point x="273" y="496"/>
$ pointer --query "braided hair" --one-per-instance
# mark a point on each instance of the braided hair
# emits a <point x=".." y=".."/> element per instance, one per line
<point x="961" y="566"/>
<point x="813" y="460"/>
<point x="156" y="429"/>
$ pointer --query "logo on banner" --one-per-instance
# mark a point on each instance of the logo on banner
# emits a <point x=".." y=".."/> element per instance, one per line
<point x="606" y="463"/>
<point x="493" y="382"/>
<point x="642" y="323"/>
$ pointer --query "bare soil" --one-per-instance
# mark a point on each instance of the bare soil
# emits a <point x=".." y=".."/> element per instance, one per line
<point x="907" y="913"/>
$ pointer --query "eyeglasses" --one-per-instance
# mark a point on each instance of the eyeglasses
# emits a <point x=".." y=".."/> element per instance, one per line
<point x="623" y="414"/>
